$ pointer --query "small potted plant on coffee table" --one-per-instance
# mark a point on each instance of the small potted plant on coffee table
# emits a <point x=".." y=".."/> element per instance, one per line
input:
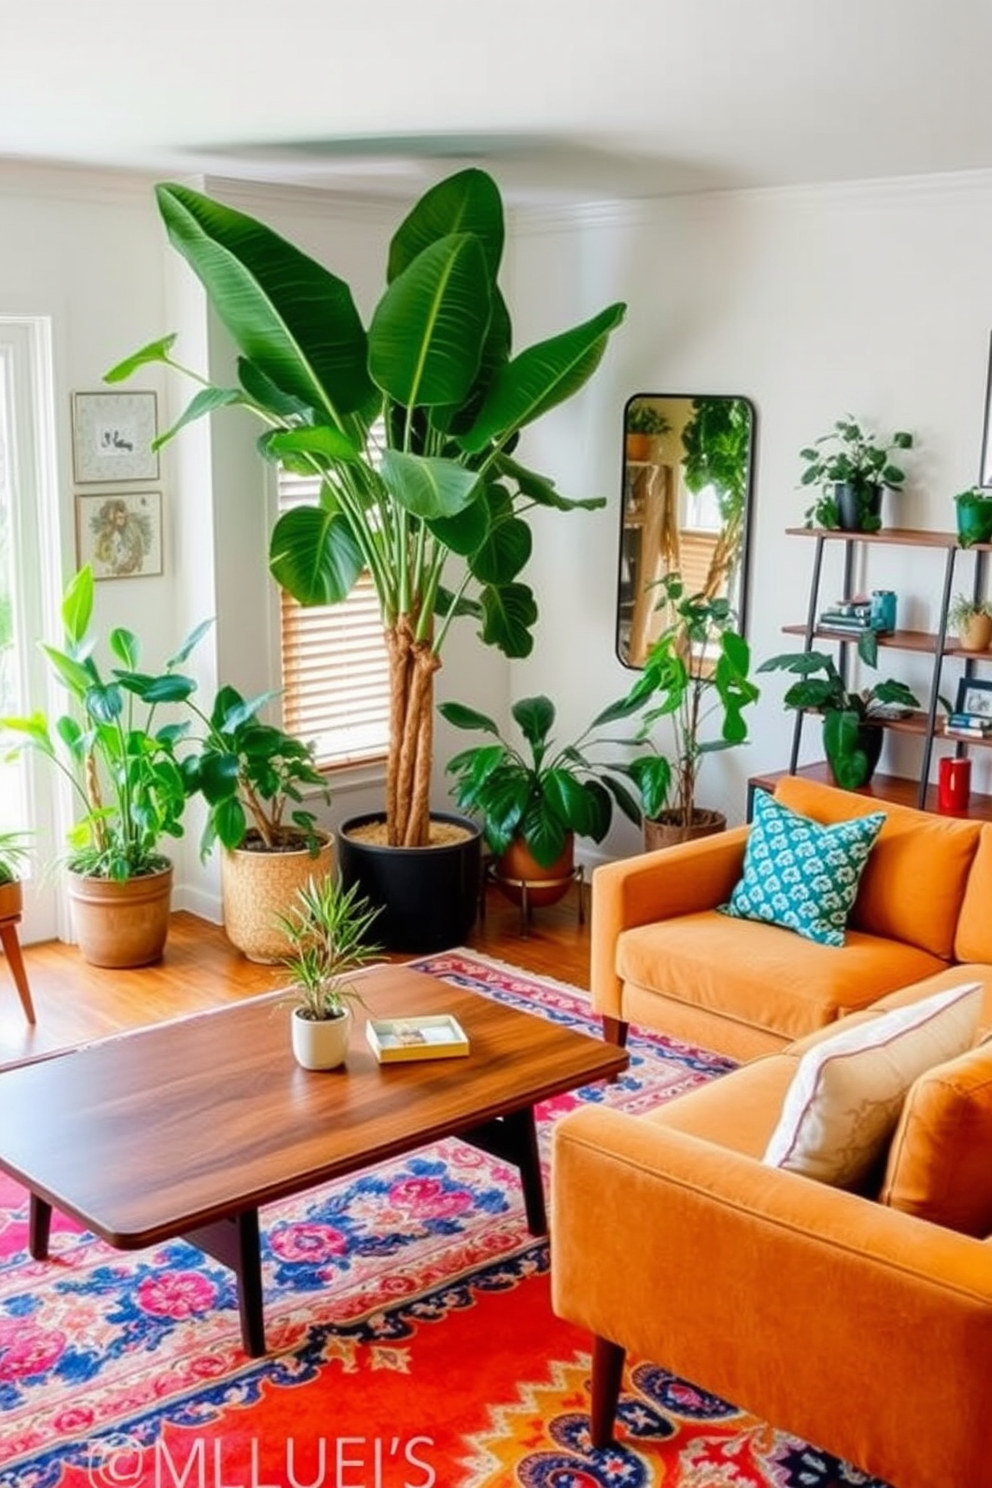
<point x="327" y="929"/>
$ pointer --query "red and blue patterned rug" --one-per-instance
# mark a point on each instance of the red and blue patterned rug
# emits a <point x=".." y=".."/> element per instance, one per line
<point x="411" y="1337"/>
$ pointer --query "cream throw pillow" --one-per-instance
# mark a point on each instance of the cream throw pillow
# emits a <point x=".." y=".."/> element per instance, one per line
<point x="847" y="1093"/>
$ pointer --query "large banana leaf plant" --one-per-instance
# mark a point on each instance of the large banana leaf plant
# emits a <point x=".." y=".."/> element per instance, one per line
<point x="410" y="422"/>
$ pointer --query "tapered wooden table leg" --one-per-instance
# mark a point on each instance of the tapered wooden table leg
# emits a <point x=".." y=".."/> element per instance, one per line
<point x="12" y="949"/>
<point x="39" y="1226"/>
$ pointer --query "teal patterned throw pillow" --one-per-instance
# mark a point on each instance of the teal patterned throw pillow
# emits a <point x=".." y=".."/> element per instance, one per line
<point x="802" y="875"/>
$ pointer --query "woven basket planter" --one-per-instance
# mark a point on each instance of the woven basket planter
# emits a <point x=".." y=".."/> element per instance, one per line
<point x="257" y="887"/>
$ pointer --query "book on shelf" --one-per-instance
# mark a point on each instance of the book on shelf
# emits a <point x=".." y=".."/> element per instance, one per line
<point x="834" y="620"/>
<point x="428" y="1036"/>
<point x="975" y="722"/>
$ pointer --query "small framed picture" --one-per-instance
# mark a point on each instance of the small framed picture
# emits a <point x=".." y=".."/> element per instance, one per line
<point x="112" y="437"/>
<point x="120" y="535"/>
<point x="974" y="697"/>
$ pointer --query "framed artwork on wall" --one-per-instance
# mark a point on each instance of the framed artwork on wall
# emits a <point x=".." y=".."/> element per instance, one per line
<point x="112" y="436"/>
<point x="120" y="535"/>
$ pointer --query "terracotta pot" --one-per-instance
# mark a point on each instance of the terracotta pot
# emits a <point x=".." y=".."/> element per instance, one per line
<point x="11" y="900"/>
<point x="258" y="886"/>
<point x="975" y="633"/>
<point x="121" y="924"/>
<point x="638" y="446"/>
<point x="320" y="1044"/>
<point x="517" y="868"/>
<point x="667" y="830"/>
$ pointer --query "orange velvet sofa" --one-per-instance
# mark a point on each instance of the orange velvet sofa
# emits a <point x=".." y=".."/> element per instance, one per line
<point x="663" y="957"/>
<point x="862" y="1328"/>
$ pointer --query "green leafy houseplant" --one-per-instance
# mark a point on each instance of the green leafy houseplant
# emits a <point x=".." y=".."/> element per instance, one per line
<point x="697" y="670"/>
<point x="327" y="929"/>
<point x="972" y="619"/>
<point x="851" y="740"/>
<point x="411" y="424"/>
<point x="14" y="856"/>
<point x="251" y="774"/>
<point x="973" y="512"/>
<point x="848" y="456"/>
<point x="120" y="762"/>
<point x="644" y="418"/>
<point x="543" y="792"/>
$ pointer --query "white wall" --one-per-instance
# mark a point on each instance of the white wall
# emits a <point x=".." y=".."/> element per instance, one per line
<point x="872" y="299"/>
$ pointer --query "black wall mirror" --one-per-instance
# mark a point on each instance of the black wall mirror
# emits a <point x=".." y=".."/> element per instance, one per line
<point x="687" y="478"/>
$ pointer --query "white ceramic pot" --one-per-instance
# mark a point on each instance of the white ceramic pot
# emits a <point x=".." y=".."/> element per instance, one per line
<point x="323" y="1044"/>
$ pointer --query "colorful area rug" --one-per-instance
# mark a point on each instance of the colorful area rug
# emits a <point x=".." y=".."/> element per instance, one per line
<point x="411" y="1335"/>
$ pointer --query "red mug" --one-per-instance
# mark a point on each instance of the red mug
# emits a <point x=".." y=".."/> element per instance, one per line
<point x="954" y="785"/>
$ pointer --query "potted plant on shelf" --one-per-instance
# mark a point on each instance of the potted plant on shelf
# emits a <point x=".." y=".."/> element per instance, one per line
<point x="852" y="720"/>
<point x="852" y="469"/>
<point x="412" y="426"/>
<point x="125" y="779"/>
<point x="642" y="423"/>
<point x="697" y="670"/>
<point x="972" y="619"/>
<point x="973" y="514"/>
<point x="326" y="928"/>
<point x="534" y="802"/>
<point x="253" y="776"/>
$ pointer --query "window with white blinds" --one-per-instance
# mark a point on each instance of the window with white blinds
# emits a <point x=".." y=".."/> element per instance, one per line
<point x="335" y="670"/>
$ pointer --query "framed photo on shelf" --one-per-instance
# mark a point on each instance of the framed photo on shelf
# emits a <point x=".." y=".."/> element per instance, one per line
<point x="112" y="436"/>
<point x="974" y="698"/>
<point x="120" y="535"/>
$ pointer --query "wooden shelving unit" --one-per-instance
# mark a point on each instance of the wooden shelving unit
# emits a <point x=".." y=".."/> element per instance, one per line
<point x="927" y="724"/>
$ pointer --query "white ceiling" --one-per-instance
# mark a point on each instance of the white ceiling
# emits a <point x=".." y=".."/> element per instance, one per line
<point x="561" y="99"/>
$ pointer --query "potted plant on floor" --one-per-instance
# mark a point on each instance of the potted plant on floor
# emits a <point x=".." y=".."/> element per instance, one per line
<point x="534" y="802"/>
<point x="412" y="425"/>
<point x="695" y="675"/>
<point x="326" y="928"/>
<point x="125" y="778"/>
<point x="852" y="468"/>
<point x="258" y="783"/>
<point x="852" y="731"/>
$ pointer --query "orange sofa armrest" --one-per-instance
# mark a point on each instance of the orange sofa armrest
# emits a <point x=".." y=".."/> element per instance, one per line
<point x="761" y="1285"/>
<point x="656" y="886"/>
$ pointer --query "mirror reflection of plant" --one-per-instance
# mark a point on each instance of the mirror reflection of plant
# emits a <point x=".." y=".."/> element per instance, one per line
<point x="546" y="791"/>
<point x="644" y="418"/>
<point x="327" y="928"/>
<point x="717" y="449"/>
<point x="696" y="670"/>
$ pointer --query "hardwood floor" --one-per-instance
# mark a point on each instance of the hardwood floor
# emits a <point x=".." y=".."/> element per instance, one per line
<point x="200" y="969"/>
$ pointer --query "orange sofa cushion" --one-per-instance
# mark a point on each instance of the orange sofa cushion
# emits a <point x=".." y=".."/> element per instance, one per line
<point x="762" y="975"/>
<point x="913" y="885"/>
<point x="939" y="1165"/>
<point x="973" y="940"/>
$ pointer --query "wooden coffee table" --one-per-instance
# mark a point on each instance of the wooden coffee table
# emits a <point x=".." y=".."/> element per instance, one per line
<point x="186" y="1128"/>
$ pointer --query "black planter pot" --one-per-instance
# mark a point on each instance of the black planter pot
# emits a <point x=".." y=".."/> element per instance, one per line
<point x="429" y="895"/>
<point x="852" y="753"/>
<point x="858" y="510"/>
